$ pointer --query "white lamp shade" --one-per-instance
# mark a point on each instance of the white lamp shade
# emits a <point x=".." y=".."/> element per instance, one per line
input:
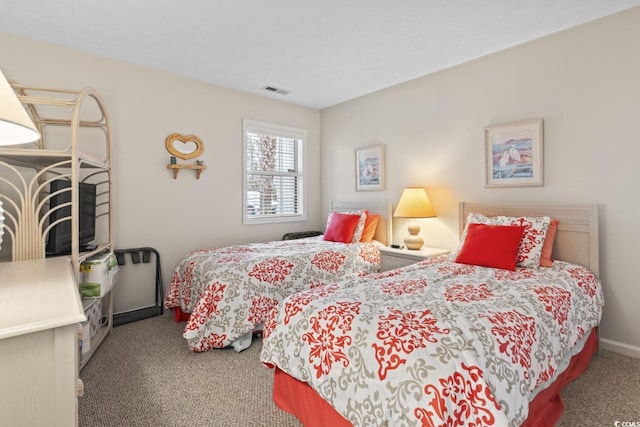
<point x="414" y="203"/>
<point x="16" y="126"/>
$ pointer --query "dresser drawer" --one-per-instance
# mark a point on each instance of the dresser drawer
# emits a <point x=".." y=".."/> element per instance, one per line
<point x="390" y="262"/>
<point x="396" y="258"/>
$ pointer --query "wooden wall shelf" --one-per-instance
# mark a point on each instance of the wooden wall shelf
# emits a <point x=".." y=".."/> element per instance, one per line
<point x="197" y="168"/>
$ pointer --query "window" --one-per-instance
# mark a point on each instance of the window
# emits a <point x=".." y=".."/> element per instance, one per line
<point x="274" y="173"/>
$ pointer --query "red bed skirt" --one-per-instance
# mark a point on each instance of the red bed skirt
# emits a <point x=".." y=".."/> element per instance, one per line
<point x="299" y="399"/>
<point x="179" y="315"/>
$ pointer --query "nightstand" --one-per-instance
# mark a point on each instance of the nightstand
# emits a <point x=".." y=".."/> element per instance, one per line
<point x="395" y="258"/>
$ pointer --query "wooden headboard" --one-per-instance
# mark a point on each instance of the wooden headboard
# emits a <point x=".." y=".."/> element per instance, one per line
<point x="577" y="234"/>
<point x="383" y="232"/>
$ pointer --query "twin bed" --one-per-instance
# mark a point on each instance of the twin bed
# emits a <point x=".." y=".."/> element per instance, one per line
<point x="444" y="342"/>
<point x="452" y="340"/>
<point x="224" y="294"/>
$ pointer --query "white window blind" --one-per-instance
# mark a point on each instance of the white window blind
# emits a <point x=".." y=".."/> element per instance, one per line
<point x="274" y="173"/>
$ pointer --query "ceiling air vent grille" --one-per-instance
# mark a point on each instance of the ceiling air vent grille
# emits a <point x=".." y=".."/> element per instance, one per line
<point x="275" y="90"/>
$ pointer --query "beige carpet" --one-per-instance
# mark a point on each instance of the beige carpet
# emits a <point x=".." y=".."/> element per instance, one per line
<point x="144" y="375"/>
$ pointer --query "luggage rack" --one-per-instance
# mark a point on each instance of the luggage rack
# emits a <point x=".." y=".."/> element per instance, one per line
<point x="141" y="254"/>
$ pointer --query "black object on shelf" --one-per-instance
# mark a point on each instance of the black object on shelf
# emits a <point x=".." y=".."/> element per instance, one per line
<point x="141" y="313"/>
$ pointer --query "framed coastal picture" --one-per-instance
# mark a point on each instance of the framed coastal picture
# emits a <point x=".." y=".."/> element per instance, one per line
<point x="370" y="168"/>
<point x="513" y="154"/>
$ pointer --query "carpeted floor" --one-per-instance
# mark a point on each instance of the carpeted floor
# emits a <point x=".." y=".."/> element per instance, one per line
<point x="144" y="375"/>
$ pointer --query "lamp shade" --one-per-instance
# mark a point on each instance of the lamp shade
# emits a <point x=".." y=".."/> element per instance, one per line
<point x="414" y="203"/>
<point x="16" y="126"/>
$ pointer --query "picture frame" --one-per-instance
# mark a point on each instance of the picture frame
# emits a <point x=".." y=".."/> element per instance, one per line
<point x="370" y="174"/>
<point x="514" y="154"/>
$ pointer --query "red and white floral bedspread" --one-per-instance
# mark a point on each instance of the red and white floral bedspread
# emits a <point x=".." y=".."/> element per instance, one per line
<point x="436" y="343"/>
<point x="229" y="290"/>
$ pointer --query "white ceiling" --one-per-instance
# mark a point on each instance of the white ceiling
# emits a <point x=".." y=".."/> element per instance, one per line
<point x="322" y="51"/>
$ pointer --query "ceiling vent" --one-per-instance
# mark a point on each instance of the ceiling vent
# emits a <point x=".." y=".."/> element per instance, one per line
<point x="275" y="90"/>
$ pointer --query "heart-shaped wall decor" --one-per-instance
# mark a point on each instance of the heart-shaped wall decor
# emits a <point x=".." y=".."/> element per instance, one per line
<point x="184" y="147"/>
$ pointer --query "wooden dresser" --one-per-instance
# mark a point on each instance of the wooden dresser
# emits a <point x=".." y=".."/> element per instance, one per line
<point x="40" y="313"/>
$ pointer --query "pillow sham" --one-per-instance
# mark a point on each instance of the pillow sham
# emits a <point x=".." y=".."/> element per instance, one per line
<point x="547" y="246"/>
<point x="341" y="227"/>
<point x="530" y="249"/>
<point x="491" y="246"/>
<point x="357" y="234"/>
<point x="370" y="225"/>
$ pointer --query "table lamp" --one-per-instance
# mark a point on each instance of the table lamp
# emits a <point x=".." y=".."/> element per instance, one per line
<point x="414" y="203"/>
<point x="16" y="126"/>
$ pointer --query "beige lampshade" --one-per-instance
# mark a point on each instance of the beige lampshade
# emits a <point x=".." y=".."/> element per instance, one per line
<point x="414" y="203"/>
<point x="16" y="126"/>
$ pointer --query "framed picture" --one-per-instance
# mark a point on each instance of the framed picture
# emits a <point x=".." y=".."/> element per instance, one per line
<point x="513" y="154"/>
<point x="370" y="168"/>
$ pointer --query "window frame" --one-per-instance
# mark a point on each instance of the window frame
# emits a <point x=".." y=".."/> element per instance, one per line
<point x="281" y="131"/>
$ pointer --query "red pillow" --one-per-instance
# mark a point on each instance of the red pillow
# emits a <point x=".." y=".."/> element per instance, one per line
<point x="547" y="246"/>
<point x="491" y="246"/>
<point x="370" y="225"/>
<point x="340" y="227"/>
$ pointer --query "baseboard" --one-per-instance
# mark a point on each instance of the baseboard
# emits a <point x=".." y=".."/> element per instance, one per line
<point x="135" y="315"/>
<point x="622" y="348"/>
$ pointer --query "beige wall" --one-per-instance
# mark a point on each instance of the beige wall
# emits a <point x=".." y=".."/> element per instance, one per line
<point x="151" y="208"/>
<point x="584" y="83"/>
